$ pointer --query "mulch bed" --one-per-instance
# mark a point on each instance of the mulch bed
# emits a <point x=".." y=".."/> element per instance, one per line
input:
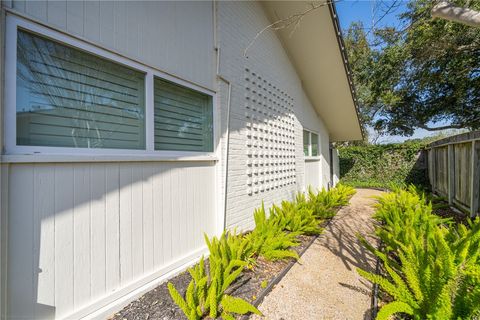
<point x="445" y="211"/>
<point x="252" y="284"/>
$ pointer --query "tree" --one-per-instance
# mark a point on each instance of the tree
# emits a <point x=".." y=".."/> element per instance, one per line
<point x="425" y="72"/>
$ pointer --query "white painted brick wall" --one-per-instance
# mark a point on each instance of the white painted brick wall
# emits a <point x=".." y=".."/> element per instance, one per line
<point x="238" y="23"/>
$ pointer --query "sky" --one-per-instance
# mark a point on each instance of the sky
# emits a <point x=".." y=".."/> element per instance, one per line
<point x="370" y="12"/>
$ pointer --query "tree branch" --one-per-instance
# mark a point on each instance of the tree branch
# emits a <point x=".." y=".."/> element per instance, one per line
<point x="450" y="12"/>
<point x="452" y="126"/>
<point x="294" y="20"/>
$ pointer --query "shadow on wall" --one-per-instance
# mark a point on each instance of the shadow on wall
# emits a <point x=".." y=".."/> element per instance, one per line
<point x="81" y="231"/>
<point x="418" y="175"/>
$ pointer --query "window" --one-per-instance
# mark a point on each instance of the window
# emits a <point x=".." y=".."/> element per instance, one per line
<point x="183" y="118"/>
<point x="314" y="143"/>
<point x="310" y="144"/>
<point x="69" y="98"/>
<point x="306" y="143"/>
<point x="65" y="96"/>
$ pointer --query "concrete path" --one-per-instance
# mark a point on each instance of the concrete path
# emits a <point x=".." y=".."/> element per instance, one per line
<point x="325" y="284"/>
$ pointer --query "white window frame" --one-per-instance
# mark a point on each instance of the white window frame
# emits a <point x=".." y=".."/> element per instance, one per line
<point x="13" y="23"/>
<point x="309" y="156"/>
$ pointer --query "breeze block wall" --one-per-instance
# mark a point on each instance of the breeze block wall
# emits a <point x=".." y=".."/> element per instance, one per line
<point x="268" y="112"/>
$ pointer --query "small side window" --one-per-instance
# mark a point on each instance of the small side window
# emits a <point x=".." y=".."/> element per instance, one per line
<point x="306" y="143"/>
<point x="314" y="143"/>
<point x="310" y="144"/>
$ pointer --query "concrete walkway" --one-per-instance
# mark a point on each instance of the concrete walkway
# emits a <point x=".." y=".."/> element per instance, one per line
<point x="325" y="284"/>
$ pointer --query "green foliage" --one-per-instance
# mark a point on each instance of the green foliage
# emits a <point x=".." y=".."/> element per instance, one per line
<point x="230" y="246"/>
<point x="421" y="72"/>
<point x="405" y="214"/>
<point x="324" y="203"/>
<point x="432" y="267"/>
<point x="206" y="295"/>
<point x="381" y="166"/>
<point x="294" y="218"/>
<point x="269" y="239"/>
<point x="273" y="238"/>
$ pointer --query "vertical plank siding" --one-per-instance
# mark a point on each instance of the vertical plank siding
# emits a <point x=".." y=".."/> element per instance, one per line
<point x="312" y="174"/>
<point x="79" y="232"/>
<point x="453" y="169"/>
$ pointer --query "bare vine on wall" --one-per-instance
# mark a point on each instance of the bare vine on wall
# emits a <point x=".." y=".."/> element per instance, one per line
<point x="284" y="23"/>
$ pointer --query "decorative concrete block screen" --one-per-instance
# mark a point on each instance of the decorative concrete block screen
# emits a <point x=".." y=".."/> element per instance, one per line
<point x="270" y="135"/>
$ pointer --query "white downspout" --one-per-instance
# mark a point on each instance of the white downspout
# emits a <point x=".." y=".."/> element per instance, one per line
<point x="227" y="129"/>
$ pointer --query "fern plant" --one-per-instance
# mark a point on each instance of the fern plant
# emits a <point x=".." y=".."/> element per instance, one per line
<point x="432" y="268"/>
<point x="205" y="295"/>
<point x="324" y="202"/>
<point x="230" y="246"/>
<point x="295" y="218"/>
<point x="404" y="214"/>
<point x="269" y="240"/>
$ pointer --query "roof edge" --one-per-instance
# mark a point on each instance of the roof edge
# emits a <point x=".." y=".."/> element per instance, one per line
<point x="343" y="52"/>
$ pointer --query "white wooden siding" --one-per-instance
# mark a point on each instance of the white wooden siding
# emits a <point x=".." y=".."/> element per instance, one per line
<point x="79" y="232"/>
<point x="312" y="174"/>
<point x="173" y="36"/>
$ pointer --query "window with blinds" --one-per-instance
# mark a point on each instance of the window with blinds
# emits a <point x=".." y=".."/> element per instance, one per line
<point x="306" y="143"/>
<point x="69" y="98"/>
<point x="314" y="142"/>
<point x="183" y="118"/>
<point x="310" y="144"/>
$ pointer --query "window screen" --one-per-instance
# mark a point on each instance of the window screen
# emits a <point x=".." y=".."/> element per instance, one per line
<point x="69" y="98"/>
<point x="183" y="118"/>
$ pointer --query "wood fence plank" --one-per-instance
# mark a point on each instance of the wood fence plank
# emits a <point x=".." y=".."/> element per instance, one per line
<point x="475" y="183"/>
<point x="451" y="174"/>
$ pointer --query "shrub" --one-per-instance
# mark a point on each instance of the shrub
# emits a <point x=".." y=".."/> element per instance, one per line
<point x="230" y="246"/>
<point x="272" y="238"/>
<point x="433" y="269"/>
<point x="404" y="214"/>
<point x="269" y="239"/>
<point x="325" y="202"/>
<point x="294" y="218"/>
<point x="382" y="165"/>
<point x="206" y="295"/>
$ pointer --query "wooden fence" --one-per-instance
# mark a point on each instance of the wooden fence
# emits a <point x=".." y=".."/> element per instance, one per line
<point x="454" y="170"/>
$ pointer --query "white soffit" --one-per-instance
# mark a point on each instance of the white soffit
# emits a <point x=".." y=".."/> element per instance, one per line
<point x="314" y="50"/>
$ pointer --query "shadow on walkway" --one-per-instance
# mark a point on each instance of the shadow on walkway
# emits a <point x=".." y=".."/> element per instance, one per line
<point x="325" y="283"/>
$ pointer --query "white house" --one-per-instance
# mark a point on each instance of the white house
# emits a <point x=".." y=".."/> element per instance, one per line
<point x="129" y="129"/>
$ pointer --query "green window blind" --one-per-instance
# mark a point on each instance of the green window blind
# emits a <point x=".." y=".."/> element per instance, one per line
<point x="314" y="142"/>
<point x="306" y="142"/>
<point x="183" y="118"/>
<point x="69" y="98"/>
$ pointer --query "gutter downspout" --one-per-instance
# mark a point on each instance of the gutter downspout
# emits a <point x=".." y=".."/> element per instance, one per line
<point x="229" y="98"/>
<point x="227" y="147"/>
<point x="330" y="149"/>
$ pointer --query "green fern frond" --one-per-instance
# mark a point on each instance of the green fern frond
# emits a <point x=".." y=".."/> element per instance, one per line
<point x="178" y="299"/>
<point x="393" y="308"/>
<point x="238" y="305"/>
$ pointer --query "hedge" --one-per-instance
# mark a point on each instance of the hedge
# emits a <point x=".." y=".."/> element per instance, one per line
<point x="382" y="166"/>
